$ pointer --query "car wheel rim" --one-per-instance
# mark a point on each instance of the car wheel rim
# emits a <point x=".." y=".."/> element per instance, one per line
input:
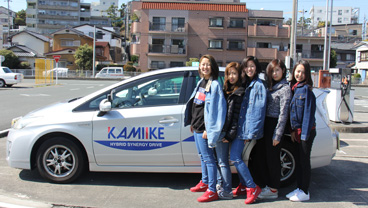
<point x="287" y="164"/>
<point x="59" y="161"/>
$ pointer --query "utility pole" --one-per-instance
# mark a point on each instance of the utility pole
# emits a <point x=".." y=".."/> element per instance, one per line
<point x="325" y="67"/>
<point x="94" y="51"/>
<point x="329" y="39"/>
<point x="8" y="19"/>
<point x="293" y="32"/>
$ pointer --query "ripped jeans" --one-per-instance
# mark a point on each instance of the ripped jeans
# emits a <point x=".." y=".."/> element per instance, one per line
<point x="222" y="154"/>
<point x="208" y="162"/>
<point x="236" y="151"/>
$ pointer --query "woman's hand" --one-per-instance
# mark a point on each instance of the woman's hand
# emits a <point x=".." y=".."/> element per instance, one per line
<point x="245" y="141"/>
<point x="275" y="143"/>
<point x="293" y="139"/>
<point x="225" y="140"/>
<point x="191" y="129"/>
<point x="204" y="135"/>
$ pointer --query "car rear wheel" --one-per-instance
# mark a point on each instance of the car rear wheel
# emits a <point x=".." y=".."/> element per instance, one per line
<point x="287" y="158"/>
<point x="2" y="83"/>
<point x="60" y="160"/>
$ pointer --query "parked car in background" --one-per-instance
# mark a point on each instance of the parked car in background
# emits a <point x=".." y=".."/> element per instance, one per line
<point x="61" y="72"/>
<point x="135" y="125"/>
<point x="8" y="78"/>
<point x="111" y="72"/>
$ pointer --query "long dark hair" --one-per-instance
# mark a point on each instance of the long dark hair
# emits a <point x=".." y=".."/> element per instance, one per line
<point x="214" y="67"/>
<point x="246" y="80"/>
<point x="228" y="87"/>
<point x="307" y="72"/>
<point x="269" y="70"/>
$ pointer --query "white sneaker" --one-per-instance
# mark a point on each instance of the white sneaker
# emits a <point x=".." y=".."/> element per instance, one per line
<point x="268" y="194"/>
<point x="300" y="196"/>
<point x="292" y="193"/>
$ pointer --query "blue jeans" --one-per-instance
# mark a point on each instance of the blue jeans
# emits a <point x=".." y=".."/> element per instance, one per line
<point x="222" y="154"/>
<point x="208" y="162"/>
<point x="236" y="151"/>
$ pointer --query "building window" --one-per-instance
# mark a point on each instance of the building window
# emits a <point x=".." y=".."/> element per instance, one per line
<point x="176" y="64"/>
<point x="353" y="32"/>
<point x="347" y="11"/>
<point x="236" y="23"/>
<point x="339" y="20"/>
<point x="263" y="45"/>
<point x="178" y="24"/>
<point x="364" y="56"/>
<point x="216" y="22"/>
<point x="236" y="45"/>
<point x="158" y="23"/>
<point x="68" y="43"/>
<point x="320" y="11"/>
<point x="157" y="46"/>
<point x="350" y="57"/>
<point x="215" y="44"/>
<point x="340" y="12"/>
<point x="157" y="65"/>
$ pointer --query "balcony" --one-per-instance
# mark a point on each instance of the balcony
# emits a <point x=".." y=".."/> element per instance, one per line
<point x="308" y="54"/>
<point x="160" y="49"/>
<point x="168" y="28"/>
<point x="267" y="31"/>
<point x="60" y="7"/>
<point x="267" y="53"/>
<point x="57" y="17"/>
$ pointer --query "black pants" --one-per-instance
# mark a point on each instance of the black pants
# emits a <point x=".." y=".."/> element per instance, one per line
<point x="302" y="162"/>
<point x="265" y="162"/>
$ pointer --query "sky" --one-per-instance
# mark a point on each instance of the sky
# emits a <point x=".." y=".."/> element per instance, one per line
<point x="281" y="5"/>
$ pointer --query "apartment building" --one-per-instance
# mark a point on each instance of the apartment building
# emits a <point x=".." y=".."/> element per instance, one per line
<point x="99" y="8"/>
<point x="167" y="34"/>
<point x="340" y="15"/>
<point x="348" y="33"/>
<point x="5" y="19"/>
<point x="48" y="16"/>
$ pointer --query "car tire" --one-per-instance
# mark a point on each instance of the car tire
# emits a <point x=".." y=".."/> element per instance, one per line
<point x="2" y="83"/>
<point x="287" y="159"/>
<point x="9" y="85"/>
<point x="60" y="160"/>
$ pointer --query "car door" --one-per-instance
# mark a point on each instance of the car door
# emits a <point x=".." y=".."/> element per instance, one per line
<point x="144" y="125"/>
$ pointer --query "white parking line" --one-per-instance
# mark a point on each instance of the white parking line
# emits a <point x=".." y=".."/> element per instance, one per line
<point x="35" y="95"/>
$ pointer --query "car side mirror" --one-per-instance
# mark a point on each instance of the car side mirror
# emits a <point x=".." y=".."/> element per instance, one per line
<point x="105" y="106"/>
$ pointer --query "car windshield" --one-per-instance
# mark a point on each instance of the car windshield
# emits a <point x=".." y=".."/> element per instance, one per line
<point x="7" y="70"/>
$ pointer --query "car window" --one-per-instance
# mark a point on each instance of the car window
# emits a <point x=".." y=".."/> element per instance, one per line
<point x="7" y="70"/>
<point x="220" y="78"/>
<point x="111" y="71"/>
<point x="152" y="92"/>
<point x="118" y="71"/>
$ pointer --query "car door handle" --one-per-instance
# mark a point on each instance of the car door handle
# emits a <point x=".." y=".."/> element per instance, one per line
<point x="168" y="121"/>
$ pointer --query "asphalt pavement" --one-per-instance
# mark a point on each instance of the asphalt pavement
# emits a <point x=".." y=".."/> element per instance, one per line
<point x="351" y="130"/>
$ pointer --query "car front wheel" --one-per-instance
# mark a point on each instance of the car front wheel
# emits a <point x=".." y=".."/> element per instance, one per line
<point x="60" y="160"/>
<point x="287" y="158"/>
<point x="2" y="83"/>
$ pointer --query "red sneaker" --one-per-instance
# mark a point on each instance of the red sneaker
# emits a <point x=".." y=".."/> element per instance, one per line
<point x="240" y="190"/>
<point x="200" y="187"/>
<point x="252" y="194"/>
<point x="208" y="196"/>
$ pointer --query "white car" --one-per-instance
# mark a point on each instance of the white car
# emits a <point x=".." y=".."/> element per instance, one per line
<point x="135" y="125"/>
<point x="61" y="72"/>
<point x="9" y="78"/>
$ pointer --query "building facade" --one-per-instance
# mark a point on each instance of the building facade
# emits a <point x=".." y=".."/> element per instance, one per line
<point x="168" y="34"/>
<point x="99" y="8"/>
<point x="340" y="15"/>
<point x="49" y="16"/>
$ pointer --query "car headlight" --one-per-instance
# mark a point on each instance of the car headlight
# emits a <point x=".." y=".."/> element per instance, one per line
<point x="21" y="122"/>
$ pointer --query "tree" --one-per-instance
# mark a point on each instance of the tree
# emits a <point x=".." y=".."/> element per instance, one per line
<point x="20" y="18"/>
<point x="289" y="21"/>
<point x="191" y="60"/>
<point x="11" y="60"/>
<point x="112" y="14"/>
<point x="84" y="57"/>
<point x="321" y="24"/>
<point x="333" y="58"/>
<point x="304" y="22"/>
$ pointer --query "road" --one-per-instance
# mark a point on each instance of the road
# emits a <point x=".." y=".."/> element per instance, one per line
<point x="344" y="183"/>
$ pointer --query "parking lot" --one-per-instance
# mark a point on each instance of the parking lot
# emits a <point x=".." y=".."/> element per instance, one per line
<point x="344" y="183"/>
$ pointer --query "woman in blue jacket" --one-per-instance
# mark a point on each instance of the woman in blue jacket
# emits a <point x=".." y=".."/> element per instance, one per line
<point x="251" y="121"/>
<point x="303" y="126"/>
<point x="205" y="113"/>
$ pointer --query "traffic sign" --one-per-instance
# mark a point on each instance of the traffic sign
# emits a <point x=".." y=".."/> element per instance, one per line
<point x="57" y="58"/>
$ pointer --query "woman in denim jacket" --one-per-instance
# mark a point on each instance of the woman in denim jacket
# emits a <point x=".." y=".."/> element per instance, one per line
<point x="251" y="121"/>
<point x="205" y="112"/>
<point x="265" y="160"/>
<point x="302" y="121"/>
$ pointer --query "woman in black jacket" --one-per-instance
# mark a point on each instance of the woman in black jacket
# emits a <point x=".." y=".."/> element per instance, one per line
<point x="233" y="92"/>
